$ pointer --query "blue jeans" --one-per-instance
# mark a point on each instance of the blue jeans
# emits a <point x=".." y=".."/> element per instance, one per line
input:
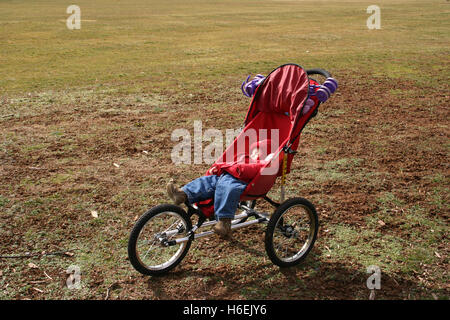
<point x="226" y="191"/>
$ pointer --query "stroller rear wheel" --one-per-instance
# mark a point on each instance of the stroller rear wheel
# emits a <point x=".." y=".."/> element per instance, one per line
<point x="152" y="247"/>
<point x="291" y="232"/>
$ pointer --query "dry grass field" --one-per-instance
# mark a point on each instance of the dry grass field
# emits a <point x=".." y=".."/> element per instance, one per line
<point x="87" y="115"/>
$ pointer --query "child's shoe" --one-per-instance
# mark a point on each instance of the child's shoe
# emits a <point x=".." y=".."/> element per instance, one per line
<point x="223" y="228"/>
<point x="176" y="194"/>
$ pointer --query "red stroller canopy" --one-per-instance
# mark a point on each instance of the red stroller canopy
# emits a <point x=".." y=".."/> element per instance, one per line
<point x="284" y="91"/>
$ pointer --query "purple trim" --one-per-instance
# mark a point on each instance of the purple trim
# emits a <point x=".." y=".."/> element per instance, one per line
<point x="249" y="87"/>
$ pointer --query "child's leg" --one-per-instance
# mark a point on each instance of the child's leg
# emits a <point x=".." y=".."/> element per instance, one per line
<point x="226" y="197"/>
<point x="201" y="188"/>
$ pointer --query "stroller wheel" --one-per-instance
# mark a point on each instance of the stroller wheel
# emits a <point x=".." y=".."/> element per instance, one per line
<point x="291" y="232"/>
<point x="152" y="247"/>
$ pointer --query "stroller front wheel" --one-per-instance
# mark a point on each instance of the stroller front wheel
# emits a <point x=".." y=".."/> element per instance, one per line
<point x="291" y="232"/>
<point x="152" y="246"/>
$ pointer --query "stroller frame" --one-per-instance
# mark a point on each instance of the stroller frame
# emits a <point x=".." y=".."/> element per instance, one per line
<point x="284" y="225"/>
<point x="239" y="220"/>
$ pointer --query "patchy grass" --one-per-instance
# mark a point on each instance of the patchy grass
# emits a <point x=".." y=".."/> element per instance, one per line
<point x="79" y="108"/>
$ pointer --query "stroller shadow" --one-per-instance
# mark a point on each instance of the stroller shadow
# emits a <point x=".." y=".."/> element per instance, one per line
<point x="242" y="246"/>
<point x="310" y="280"/>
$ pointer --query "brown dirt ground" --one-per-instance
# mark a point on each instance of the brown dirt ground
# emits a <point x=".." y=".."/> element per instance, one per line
<point x="401" y="138"/>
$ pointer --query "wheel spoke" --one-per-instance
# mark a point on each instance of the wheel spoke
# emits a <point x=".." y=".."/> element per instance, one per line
<point x="151" y="246"/>
<point x="293" y="227"/>
<point x="152" y="252"/>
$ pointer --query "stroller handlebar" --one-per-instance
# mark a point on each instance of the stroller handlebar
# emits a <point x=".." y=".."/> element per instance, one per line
<point x="319" y="71"/>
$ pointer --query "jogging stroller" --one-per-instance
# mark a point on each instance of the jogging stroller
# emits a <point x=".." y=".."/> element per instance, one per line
<point x="282" y="104"/>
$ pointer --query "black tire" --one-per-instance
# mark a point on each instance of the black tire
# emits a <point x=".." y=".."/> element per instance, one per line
<point x="172" y="217"/>
<point x="319" y="71"/>
<point x="283" y="227"/>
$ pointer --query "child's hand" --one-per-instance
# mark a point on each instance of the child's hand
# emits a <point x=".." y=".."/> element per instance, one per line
<point x="213" y="170"/>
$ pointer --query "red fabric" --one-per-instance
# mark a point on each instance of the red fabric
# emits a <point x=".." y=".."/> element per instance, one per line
<point x="242" y="171"/>
<point x="245" y="168"/>
<point x="284" y="90"/>
<point x="266" y="121"/>
<point x="207" y="207"/>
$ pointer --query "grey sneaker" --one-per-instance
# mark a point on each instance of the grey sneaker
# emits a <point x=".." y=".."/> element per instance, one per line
<point x="223" y="228"/>
<point x="176" y="194"/>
